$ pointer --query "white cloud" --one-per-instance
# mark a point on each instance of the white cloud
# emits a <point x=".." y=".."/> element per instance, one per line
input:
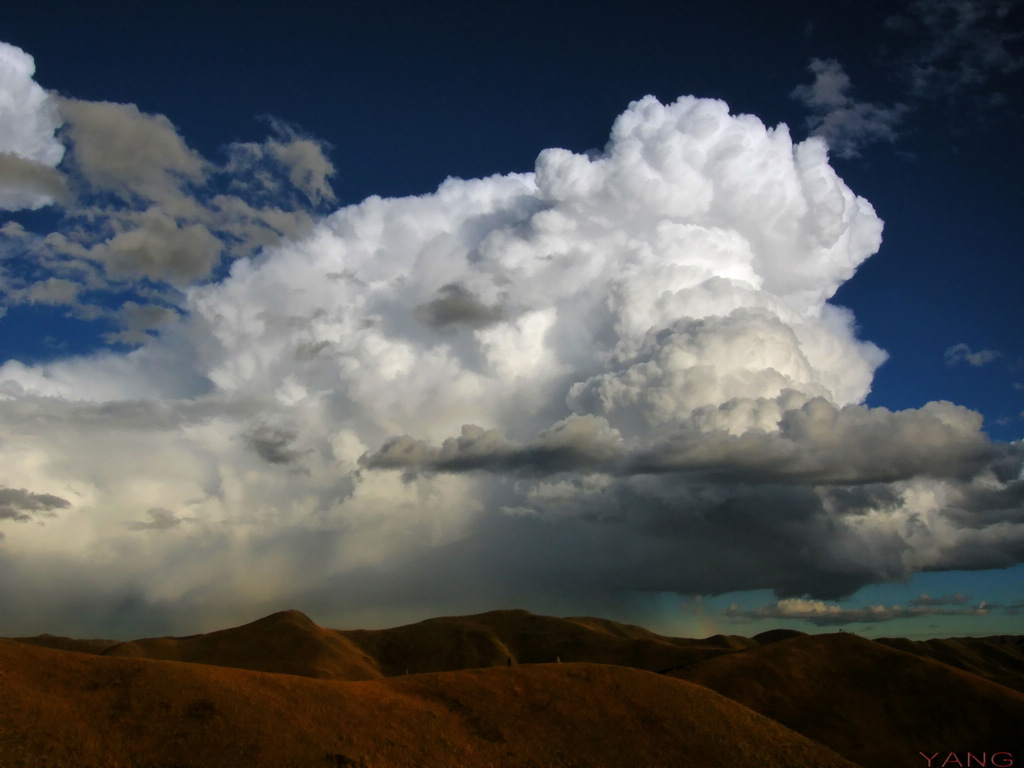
<point x="29" y="150"/>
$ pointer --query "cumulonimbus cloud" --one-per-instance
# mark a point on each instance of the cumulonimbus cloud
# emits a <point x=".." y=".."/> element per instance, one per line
<point x="618" y="373"/>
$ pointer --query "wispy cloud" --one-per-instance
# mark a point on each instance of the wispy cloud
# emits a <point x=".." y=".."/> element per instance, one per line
<point x="961" y="353"/>
<point x="845" y="123"/>
<point x="926" y="601"/>
<point x="958" y="45"/>
<point x="831" y="614"/>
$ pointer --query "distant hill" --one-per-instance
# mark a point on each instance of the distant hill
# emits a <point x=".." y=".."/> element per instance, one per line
<point x="290" y="642"/>
<point x="874" y="705"/>
<point x="490" y="639"/>
<point x="68" y="643"/>
<point x="73" y="709"/>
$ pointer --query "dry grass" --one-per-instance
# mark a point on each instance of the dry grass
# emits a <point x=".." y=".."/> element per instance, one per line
<point x="87" y="711"/>
<point x="872" y="704"/>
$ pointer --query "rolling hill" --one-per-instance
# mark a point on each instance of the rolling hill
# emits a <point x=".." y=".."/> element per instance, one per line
<point x="73" y="709"/>
<point x="283" y="691"/>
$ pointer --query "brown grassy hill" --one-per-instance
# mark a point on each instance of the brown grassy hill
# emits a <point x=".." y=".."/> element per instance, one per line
<point x="490" y="639"/>
<point x="72" y="709"/>
<point x="287" y="642"/>
<point x="999" y="658"/>
<point x="874" y="705"/>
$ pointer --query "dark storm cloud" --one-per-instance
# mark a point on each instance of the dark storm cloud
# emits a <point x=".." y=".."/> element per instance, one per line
<point x="817" y="443"/>
<point x="578" y="443"/>
<point x="456" y="305"/>
<point x="21" y="505"/>
<point x="698" y="506"/>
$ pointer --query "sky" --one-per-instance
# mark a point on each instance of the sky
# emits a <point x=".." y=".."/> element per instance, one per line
<point x="701" y="316"/>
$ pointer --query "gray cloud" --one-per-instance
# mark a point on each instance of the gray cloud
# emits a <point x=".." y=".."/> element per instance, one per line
<point x="301" y="157"/>
<point x="157" y="246"/>
<point x="53" y="291"/>
<point x="134" y="155"/>
<point x="21" y="505"/>
<point x="456" y="305"/>
<point x="137" y="319"/>
<point x="815" y="443"/>
<point x="272" y="444"/>
<point x="27" y="183"/>
<point x="577" y="443"/>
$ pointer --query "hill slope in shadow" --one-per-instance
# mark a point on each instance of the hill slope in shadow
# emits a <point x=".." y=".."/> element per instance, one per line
<point x="999" y="658"/>
<point x="874" y="705"/>
<point x="75" y="709"/>
<point x="490" y="639"/>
